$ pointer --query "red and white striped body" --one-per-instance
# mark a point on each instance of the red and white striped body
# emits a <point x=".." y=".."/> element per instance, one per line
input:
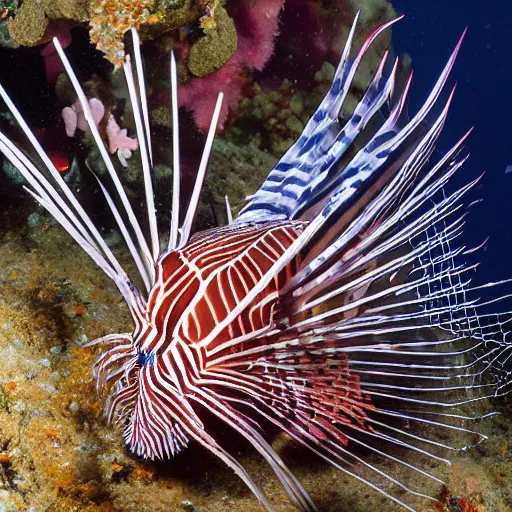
<point x="197" y="287"/>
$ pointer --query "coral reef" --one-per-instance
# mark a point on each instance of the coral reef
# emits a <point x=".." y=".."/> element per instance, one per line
<point x="111" y="19"/>
<point x="311" y="33"/>
<point x="215" y="48"/>
<point x="257" y="26"/>
<point x="274" y="118"/>
<point x="221" y="43"/>
<point x="7" y="8"/>
<point x="248" y="50"/>
<point x="12" y="173"/>
<point x="37" y="21"/>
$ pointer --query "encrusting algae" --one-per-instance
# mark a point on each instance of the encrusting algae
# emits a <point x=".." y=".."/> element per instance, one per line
<point x="37" y="21"/>
<point x="31" y="21"/>
<point x="215" y="47"/>
<point x="111" y="19"/>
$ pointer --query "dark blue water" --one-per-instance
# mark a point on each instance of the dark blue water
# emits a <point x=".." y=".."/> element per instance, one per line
<point x="483" y="71"/>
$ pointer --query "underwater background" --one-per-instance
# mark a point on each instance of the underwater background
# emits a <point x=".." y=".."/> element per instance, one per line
<point x="483" y="71"/>
<point x="56" y="452"/>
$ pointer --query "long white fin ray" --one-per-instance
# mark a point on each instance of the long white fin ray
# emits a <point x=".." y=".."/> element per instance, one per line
<point x="194" y="200"/>
<point x="145" y="252"/>
<point x="93" y="254"/>
<point x="144" y="155"/>
<point x="129" y="242"/>
<point x="142" y="88"/>
<point x="53" y="171"/>
<point x="176" y="170"/>
<point x="60" y="209"/>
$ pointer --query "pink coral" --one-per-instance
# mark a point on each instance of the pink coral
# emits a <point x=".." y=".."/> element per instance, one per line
<point x="119" y="141"/>
<point x="257" y="26"/>
<point x="74" y="117"/>
<point x="200" y="94"/>
<point x="52" y="63"/>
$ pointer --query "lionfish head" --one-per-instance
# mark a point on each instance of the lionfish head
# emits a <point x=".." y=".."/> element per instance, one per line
<point x="144" y="396"/>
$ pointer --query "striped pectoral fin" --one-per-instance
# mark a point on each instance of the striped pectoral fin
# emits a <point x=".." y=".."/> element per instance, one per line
<point x="222" y="407"/>
<point x="319" y="401"/>
<point x="377" y="358"/>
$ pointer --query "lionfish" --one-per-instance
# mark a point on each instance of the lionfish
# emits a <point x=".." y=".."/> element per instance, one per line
<point x="336" y="306"/>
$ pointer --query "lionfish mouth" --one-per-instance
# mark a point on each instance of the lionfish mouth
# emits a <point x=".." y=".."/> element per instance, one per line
<point x="337" y="305"/>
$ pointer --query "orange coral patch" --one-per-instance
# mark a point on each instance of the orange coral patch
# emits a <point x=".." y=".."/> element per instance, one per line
<point x="142" y="475"/>
<point x="79" y="309"/>
<point x="10" y="386"/>
<point x="52" y="434"/>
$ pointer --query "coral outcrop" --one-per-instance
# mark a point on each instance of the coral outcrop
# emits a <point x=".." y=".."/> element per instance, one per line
<point x="29" y="25"/>
<point x="257" y="25"/>
<point x="215" y="48"/>
<point x="111" y="19"/>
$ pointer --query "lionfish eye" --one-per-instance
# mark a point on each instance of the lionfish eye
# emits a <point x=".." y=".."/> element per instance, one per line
<point x="145" y="358"/>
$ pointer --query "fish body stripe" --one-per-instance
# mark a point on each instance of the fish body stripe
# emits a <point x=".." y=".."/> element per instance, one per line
<point x="214" y="274"/>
